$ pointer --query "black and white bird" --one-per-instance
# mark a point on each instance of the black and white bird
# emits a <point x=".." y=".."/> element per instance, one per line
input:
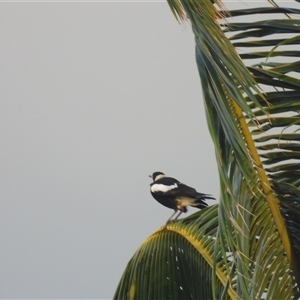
<point x="172" y="193"/>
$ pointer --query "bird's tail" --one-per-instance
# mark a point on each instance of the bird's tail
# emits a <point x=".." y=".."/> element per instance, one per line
<point x="205" y="196"/>
<point x="200" y="200"/>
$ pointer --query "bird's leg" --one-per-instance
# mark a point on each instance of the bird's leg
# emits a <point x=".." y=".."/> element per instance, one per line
<point x="175" y="211"/>
<point x="178" y="215"/>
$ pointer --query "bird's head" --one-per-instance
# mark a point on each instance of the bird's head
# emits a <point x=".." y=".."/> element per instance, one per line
<point x="157" y="175"/>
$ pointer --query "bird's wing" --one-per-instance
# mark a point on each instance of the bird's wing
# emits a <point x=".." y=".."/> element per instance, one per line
<point x="172" y="187"/>
<point x="185" y="191"/>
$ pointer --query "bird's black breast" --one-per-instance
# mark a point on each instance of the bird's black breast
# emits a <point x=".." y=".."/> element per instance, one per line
<point x="164" y="191"/>
<point x="168" y="201"/>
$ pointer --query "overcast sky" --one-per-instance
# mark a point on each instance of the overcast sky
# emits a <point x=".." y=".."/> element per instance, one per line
<point x="94" y="98"/>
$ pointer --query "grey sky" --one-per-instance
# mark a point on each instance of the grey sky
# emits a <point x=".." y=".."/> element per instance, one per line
<point x="94" y="98"/>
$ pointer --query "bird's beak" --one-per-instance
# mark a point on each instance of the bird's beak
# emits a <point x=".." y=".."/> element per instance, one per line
<point x="150" y="176"/>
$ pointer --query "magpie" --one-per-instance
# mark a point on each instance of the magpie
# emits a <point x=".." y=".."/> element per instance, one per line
<point x="172" y="193"/>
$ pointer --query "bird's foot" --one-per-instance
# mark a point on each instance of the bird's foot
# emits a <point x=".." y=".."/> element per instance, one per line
<point x="171" y="221"/>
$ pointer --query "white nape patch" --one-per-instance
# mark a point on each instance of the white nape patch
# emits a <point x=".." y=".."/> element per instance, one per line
<point x="159" y="176"/>
<point x="163" y="188"/>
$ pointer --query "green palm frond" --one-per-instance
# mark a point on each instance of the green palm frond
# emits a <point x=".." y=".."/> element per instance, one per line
<point x="247" y="246"/>
<point x="166" y="264"/>
<point x="277" y="136"/>
<point x="246" y="167"/>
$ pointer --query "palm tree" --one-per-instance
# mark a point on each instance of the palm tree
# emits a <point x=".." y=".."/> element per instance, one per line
<point x="248" y="245"/>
